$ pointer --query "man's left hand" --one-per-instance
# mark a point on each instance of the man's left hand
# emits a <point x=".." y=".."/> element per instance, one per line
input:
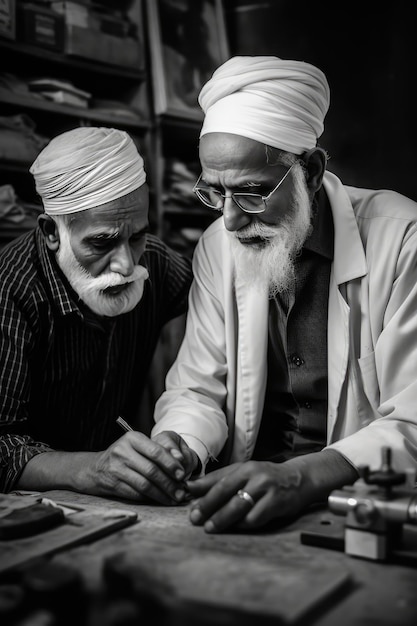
<point x="249" y="495"/>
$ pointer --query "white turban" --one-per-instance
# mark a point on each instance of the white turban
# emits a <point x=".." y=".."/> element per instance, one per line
<point x="86" y="167"/>
<point x="277" y="102"/>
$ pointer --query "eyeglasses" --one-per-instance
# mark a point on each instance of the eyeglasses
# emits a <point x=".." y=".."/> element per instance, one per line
<point x="248" y="202"/>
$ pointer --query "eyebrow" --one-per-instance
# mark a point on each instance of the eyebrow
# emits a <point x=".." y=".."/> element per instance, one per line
<point x="248" y="185"/>
<point x="114" y="235"/>
<point x="107" y="236"/>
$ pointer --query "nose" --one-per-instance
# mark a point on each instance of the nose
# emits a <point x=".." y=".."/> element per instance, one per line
<point x="122" y="260"/>
<point x="233" y="216"/>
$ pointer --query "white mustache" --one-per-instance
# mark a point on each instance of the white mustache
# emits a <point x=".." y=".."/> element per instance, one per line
<point x="255" y="230"/>
<point x="113" y="279"/>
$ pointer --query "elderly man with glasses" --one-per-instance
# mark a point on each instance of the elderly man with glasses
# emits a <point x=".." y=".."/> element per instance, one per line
<point x="299" y="359"/>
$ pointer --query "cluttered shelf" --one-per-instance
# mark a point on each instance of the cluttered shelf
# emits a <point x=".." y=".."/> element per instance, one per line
<point x="51" y="60"/>
<point x="116" y="114"/>
<point x="64" y="65"/>
<point x="21" y="49"/>
<point x="87" y="60"/>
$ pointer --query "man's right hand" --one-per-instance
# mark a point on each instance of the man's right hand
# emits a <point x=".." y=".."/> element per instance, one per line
<point x="133" y="467"/>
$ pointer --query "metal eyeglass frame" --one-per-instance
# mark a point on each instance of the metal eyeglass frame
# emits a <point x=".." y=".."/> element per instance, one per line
<point x="233" y="195"/>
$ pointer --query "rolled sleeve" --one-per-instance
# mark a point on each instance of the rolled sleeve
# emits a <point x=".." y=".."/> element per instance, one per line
<point x="15" y="452"/>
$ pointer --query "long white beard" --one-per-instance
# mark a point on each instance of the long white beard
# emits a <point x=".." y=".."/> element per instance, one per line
<point x="91" y="289"/>
<point x="271" y="264"/>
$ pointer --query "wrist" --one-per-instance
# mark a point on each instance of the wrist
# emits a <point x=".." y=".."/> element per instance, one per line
<point x="58" y="470"/>
<point x="323" y="472"/>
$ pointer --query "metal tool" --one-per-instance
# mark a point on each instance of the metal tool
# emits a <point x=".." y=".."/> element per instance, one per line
<point x="126" y="427"/>
<point x="376" y="507"/>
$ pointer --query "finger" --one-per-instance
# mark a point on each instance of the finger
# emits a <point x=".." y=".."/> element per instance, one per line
<point x="191" y="460"/>
<point x="185" y="451"/>
<point x="180" y="450"/>
<point x="260" y="514"/>
<point x="137" y="487"/>
<point x="156" y="453"/>
<point x="273" y="505"/>
<point x="144" y="458"/>
<point x="177" y="454"/>
<point x="171" y="441"/>
<point x="231" y="514"/>
<point x="200" y="486"/>
<point x="215" y="498"/>
<point x="151" y="480"/>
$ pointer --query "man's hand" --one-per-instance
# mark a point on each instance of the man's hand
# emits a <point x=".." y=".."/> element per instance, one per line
<point x="176" y="445"/>
<point x="267" y="490"/>
<point x="275" y="490"/>
<point x="133" y="467"/>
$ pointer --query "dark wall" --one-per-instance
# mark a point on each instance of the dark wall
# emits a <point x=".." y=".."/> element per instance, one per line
<point x="369" y="57"/>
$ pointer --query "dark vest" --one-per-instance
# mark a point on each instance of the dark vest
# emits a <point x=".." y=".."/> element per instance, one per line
<point x="295" y="409"/>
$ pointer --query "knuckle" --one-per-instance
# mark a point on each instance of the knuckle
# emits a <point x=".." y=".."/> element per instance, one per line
<point x="151" y="472"/>
<point x="160" y="439"/>
<point x="222" y="482"/>
<point x="142" y="485"/>
<point x="132" y="435"/>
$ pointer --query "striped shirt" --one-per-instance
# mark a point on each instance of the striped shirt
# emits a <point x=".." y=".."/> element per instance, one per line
<point x="66" y="373"/>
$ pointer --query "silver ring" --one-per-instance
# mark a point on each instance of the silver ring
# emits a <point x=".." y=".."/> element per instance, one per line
<point x="244" y="495"/>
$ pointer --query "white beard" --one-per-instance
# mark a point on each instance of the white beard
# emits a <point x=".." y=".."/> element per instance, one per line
<point x="271" y="264"/>
<point x="92" y="290"/>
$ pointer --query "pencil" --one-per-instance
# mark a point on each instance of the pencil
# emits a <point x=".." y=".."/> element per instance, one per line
<point x="123" y="424"/>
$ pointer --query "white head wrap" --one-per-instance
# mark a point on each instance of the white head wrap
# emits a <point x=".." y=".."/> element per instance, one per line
<point x="277" y="102"/>
<point x="86" y="167"/>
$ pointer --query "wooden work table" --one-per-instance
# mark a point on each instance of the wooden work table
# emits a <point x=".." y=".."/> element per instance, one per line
<point x="237" y="578"/>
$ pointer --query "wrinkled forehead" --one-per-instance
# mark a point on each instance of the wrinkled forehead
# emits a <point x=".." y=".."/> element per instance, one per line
<point x="129" y="211"/>
<point x="229" y="151"/>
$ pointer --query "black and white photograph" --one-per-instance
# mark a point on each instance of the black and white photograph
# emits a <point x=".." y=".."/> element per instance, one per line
<point x="208" y="313"/>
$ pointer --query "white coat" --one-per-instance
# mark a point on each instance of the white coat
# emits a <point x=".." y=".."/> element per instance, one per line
<point x="215" y="390"/>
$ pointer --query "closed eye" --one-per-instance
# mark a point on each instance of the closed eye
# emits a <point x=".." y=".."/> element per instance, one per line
<point x="102" y="242"/>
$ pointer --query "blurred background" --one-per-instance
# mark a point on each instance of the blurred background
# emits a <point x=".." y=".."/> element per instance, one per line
<point x="367" y="51"/>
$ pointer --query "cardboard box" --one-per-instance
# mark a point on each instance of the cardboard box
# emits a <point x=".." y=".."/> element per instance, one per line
<point x="98" y="46"/>
<point x="40" y="26"/>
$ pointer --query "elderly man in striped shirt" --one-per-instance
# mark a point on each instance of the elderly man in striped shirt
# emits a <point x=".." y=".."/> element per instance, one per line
<point x="84" y="298"/>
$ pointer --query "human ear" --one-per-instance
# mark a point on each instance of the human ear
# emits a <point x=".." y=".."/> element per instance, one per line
<point x="50" y="231"/>
<point x="315" y="163"/>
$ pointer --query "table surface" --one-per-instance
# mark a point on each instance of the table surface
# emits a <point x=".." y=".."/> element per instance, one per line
<point x="265" y="575"/>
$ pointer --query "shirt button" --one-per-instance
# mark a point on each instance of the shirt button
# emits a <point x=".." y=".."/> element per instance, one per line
<point x="307" y="405"/>
<point x="297" y="360"/>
